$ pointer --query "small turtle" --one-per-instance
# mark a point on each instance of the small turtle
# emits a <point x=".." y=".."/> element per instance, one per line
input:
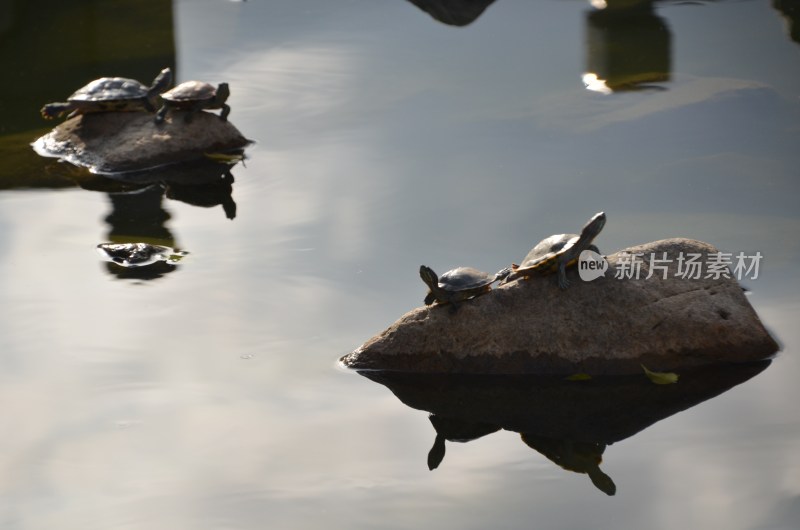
<point x="458" y="284"/>
<point x="193" y="96"/>
<point x="558" y="252"/>
<point x="111" y="94"/>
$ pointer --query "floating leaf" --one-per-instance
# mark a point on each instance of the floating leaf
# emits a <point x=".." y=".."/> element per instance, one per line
<point x="578" y="377"/>
<point x="660" y="378"/>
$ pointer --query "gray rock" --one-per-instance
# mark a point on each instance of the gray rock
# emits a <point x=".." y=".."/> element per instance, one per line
<point x="607" y="326"/>
<point x="116" y="142"/>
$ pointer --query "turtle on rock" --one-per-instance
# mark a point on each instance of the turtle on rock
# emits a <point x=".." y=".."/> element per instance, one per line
<point x="194" y="96"/>
<point x="558" y="252"/>
<point x="111" y="94"/>
<point x="457" y="285"/>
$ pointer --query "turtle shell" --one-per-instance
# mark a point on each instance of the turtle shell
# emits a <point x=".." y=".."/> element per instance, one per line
<point x="190" y="91"/>
<point x="110" y="89"/>
<point x="544" y="256"/>
<point x="465" y="279"/>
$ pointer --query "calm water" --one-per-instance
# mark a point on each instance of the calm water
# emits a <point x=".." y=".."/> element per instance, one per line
<point x="209" y="396"/>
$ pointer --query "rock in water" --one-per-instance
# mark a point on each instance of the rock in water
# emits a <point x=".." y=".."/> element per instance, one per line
<point x="606" y="326"/>
<point x="117" y="142"/>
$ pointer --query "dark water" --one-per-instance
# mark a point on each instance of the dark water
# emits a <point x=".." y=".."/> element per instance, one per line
<point x="207" y="394"/>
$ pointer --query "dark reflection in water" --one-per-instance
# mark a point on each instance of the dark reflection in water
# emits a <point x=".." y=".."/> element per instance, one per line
<point x="138" y="215"/>
<point x="453" y="12"/>
<point x="569" y="422"/>
<point x="214" y="193"/>
<point x="790" y="9"/>
<point x="628" y="48"/>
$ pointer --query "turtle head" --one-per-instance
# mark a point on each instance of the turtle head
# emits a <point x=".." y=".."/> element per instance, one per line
<point x="54" y="110"/>
<point x="593" y="227"/>
<point x="430" y="278"/>
<point x="161" y="83"/>
<point x="223" y="92"/>
<point x="504" y="273"/>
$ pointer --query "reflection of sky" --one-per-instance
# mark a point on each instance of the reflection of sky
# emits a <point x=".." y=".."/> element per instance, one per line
<point x="385" y="140"/>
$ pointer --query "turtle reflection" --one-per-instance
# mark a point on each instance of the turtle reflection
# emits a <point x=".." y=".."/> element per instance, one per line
<point x="580" y="457"/>
<point x="454" y="430"/>
<point x="569" y="422"/>
<point x="140" y="245"/>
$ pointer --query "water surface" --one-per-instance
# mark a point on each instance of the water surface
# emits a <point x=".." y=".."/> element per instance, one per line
<point x="208" y="395"/>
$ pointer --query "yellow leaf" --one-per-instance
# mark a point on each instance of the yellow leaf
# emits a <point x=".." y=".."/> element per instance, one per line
<point x="578" y="377"/>
<point x="660" y="378"/>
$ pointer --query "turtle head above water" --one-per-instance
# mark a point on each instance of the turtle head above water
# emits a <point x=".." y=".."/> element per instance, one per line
<point x="223" y="92"/>
<point x="162" y="82"/>
<point x="594" y="226"/>
<point x="430" y="278"/>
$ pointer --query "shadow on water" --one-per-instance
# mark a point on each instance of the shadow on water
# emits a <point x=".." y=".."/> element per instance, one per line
<point x="569" y="422"/>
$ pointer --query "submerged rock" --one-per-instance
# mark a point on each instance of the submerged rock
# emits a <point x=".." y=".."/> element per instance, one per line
<point x="606" y="326"/>
<point x="117" y="142"/>
<point x="139" y="254"/>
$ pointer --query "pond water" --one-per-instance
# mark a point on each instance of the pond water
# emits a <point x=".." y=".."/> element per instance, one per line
<point x="207" y="394"/>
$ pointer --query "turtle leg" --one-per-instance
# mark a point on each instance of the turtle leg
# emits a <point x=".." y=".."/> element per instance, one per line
<point x="161" y="114"/>
<point x="190" y="114"/>
<point x="453" y="308"/>
<point x="148" y="105"/>
<point x="563" y="283"/>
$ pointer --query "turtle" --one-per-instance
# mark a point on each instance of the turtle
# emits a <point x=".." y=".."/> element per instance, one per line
<point x="193" y="96"/>
<point x="457" y="284"/>
<point x="109" y="94"/>
<point x="557" y="252"/>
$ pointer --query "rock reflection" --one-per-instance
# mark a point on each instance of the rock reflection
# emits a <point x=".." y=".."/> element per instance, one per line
<point x="569" y="422"/>
<point x="628" y="47"/>
<point x="454" y="12"/>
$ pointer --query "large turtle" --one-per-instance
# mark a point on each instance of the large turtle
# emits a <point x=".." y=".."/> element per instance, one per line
<point x="558" y="252"/>
<point x="457" y="285"/>
<point x="193" y="96"/>
<point x="111" y="94"/>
